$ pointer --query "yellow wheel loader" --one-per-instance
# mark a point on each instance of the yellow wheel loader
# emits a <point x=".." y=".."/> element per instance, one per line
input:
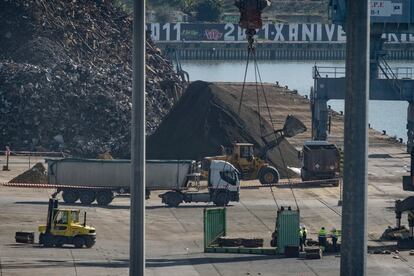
<point x="241" y="155"/>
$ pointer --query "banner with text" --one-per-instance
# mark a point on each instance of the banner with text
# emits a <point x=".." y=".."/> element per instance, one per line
<point x="199" y="32"/>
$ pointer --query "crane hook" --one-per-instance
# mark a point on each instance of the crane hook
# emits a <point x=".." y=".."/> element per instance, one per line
<point x="251" y="17"/>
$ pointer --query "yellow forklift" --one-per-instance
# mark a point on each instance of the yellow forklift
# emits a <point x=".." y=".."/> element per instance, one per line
<point x="64" y="227"/>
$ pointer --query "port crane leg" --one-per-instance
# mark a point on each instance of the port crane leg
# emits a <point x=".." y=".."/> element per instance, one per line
<point x="410" y="126"/>
<point x="320" y="119"/>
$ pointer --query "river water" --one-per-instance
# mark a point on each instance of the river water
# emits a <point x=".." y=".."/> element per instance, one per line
<point x="383" y="115"/>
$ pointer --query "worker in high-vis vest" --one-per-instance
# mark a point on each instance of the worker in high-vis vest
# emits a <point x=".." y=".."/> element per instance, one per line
<point x="301" y="239"/>
<point x="322" y="237"/>
<point x="304" y="234"/>
<point x="335" y="234"/>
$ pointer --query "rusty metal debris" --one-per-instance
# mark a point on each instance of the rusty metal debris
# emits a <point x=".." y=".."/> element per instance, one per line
<point x="65" y="74"/>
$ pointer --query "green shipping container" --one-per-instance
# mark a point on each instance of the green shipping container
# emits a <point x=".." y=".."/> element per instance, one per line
<point x="214" y="226"/>
<point x="287" y="225"/>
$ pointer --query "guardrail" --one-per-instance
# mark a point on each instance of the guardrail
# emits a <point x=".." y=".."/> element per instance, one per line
<point x="339" y="72"/>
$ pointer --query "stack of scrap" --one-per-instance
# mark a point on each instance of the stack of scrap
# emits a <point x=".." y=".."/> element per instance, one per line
<point x="65" y="74"/>
<point x="236" y="242"/>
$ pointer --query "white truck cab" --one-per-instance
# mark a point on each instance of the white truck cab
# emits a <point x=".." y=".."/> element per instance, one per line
<point x="223" y="186"/>
<point x="223" y="176"/>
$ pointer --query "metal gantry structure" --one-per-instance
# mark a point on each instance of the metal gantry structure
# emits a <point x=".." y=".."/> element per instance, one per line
<point x="391" y="16"/>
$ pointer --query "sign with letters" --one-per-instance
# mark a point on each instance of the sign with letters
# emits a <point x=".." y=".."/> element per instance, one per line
<point x="386" y="8"/>
<point x="272" y="33"/>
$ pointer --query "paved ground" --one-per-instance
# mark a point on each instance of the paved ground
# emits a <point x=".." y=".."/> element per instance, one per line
<point x="174" y="238"/>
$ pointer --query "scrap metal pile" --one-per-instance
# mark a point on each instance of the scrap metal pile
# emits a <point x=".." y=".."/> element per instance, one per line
<point x="65" y="77"/>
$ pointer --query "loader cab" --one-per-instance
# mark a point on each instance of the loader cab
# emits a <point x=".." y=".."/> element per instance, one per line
<point x="243" y="151"/>
<point x="63" y="220"/>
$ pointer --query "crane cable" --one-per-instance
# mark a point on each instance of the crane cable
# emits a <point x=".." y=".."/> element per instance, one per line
<point x="251" y="52"/>
<point x="274" y="133"/>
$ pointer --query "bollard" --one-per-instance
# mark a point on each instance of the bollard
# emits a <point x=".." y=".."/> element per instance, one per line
<point x="7" y="153"/>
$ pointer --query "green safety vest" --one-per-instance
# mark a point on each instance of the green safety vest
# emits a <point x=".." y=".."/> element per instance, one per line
<point x="322" y="233"/>
<point x="335" y="234"/>
<point x="300" y="234"/>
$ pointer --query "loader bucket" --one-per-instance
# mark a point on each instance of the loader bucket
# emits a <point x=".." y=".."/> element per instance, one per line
<point x="293" y="126"/>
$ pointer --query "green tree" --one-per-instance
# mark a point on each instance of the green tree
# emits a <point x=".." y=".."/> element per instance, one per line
<point x="209" y="10"/>
<point x="187" y="6"/>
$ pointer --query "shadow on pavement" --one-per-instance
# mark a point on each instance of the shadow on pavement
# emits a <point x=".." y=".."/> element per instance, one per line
<point x="181" y="206"/>
<point x="207" y="260"/>
<point x="75" y="204"/>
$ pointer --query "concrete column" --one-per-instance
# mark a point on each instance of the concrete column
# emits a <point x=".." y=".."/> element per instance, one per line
<point x="354" y="210"/>
<point x="410" y="126"/>
<point x="137" y="218"/>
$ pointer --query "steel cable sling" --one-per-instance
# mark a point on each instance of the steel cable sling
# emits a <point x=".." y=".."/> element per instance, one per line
<point x="252" y="52"/>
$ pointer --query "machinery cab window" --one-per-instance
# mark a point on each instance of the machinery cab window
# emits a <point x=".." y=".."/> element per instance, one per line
<point x="75" y="216"/>
<point x="61" y="217"/>
<point x="246" y="152"/>
<point x="229" y="176"/>
<point x="61" y="221"/>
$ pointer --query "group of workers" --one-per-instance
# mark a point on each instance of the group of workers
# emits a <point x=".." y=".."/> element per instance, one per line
<point x="322" y="237"/>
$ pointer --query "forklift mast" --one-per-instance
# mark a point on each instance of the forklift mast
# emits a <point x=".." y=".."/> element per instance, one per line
<point x="53" y="205"/>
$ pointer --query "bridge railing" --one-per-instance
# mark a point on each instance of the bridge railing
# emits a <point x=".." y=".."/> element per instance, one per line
<point x="400" y="73"/>
<point x="319" y="72"/>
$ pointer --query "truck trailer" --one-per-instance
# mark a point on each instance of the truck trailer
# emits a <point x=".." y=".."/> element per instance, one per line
<point x="101" y="180"/>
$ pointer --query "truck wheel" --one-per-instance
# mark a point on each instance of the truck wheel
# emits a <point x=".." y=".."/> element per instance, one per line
<point x="70" y="196"/>
<point x="48" y="240"/>
<point x="78" y="242"/>
<point x="89" y="242"/>
<point x="268" y="175"/>
<point x="104" y="197"/>
<point x="221" y="199"/>
<point x="87" y="197"/>
<point x="173" y="199"/>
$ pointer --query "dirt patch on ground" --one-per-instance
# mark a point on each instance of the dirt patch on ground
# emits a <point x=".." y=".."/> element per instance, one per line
<point x="36" y="174"/>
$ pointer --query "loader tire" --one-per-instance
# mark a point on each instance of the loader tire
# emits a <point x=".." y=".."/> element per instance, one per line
<point x="89" y="242"/>
<point x="87" y="197"/>
<point x="48" y="240"/>
<point x="268" y="175"/>
<point x="78" y="242"/>
<point x="70" y="196"/>
<point x="41" y="238"/>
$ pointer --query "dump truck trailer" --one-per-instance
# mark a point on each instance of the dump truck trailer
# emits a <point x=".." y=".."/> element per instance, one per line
<point x="101" y="180"/>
